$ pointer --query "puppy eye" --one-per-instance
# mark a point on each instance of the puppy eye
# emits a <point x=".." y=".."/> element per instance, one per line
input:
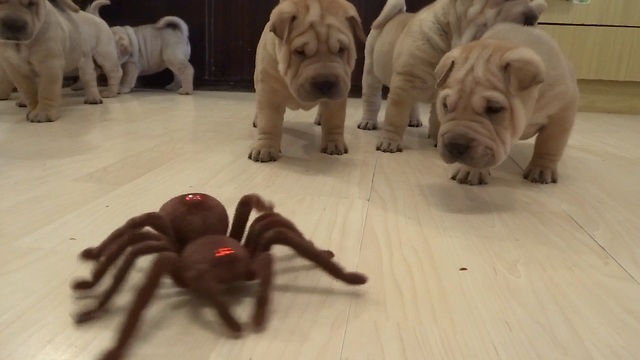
<point x="445" y="106"/>
<point x="300" y="52"/>
<point x="493" y="109"/>
<point x="341" y="50"/>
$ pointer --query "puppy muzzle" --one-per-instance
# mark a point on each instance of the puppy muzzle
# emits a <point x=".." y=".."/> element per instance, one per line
<point x="326" y="87"/>
<point x="323" y="87"/>
<point x="465" y="149"/>
<point x="14" y="29"/>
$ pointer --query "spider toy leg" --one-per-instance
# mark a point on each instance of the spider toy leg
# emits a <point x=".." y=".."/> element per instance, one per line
<point x="272" y="228"/>
<point x="153" y="220"/>
<point x="111" y="255"/>
<point x="165" y="263"/>
<point x="262" y="266"/>
<point x="144" y="248"/>
<point x="268" y="221"/>
<point x="306" y="249"/>
<point x="209" y="289"/>
<point x="247" y="204"/>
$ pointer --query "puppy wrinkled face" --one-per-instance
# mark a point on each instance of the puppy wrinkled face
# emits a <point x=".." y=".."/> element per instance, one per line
<point x="20" y="19"/>
<point x="480" y="117"/>
<point x="317" y="50"/>
<point x="318" y="66"/>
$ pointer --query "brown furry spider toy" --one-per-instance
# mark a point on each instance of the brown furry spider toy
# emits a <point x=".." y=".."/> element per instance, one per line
<point x="193" y="248"/>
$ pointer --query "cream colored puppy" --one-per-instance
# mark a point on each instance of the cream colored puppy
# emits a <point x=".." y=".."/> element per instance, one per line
<point x="6" y="85"/>
<point x="304" y="59"/>
<point x="41" y="40"/>
<point x="151" y="48"/>
<point x="403" y="49"/>
<point x="512" y="84"/>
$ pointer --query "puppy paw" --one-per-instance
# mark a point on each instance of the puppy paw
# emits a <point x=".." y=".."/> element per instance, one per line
<point x="184" y="91"/>
<point x="415" y="122"/>
<point x="37" y="116"/>
<point x="21" y="103"/>
<point x="93" y="100"/>
<point x="432" y="134"/>
<point x="77" y="86"/>
<point x="124" y="90"/>
<point x="368" y="124"/>
<point x="174" y="86"/>
<point x="108" y="94"/>
<point x="470" y="176"/>
<point x="541" y="174"/>
<point x="334" y="147"/>
<point x="264" y="153"/>
<point x="390" y="145"/>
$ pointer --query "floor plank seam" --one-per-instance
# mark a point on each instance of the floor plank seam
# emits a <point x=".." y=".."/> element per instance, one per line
<point x="373" y="176"/>
<point x="602" y="247"/>
<point x="364" y="225"/>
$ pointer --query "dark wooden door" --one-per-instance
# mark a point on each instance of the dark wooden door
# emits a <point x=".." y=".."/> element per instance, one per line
<point x="224" y="35"/>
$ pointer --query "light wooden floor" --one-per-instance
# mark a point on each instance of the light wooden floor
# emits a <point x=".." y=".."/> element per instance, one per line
<point x="552" y="271"/>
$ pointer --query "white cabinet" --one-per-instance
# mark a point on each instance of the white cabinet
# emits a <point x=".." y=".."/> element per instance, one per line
<point x="602" y="38"/>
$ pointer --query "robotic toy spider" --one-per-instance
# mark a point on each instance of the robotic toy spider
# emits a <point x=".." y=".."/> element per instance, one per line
<point x="193" y="249"/>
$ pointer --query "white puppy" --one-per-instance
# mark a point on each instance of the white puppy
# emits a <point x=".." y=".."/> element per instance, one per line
<point x="151" y="48"/>
<point x="42" y="40"/>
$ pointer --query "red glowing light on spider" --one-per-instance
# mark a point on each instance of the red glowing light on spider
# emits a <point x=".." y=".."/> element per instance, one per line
<point x="191" y="197"/>
<point x="224" y="251"/>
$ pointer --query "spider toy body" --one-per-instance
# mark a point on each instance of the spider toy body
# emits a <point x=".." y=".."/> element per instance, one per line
<point x="193" y="248"/>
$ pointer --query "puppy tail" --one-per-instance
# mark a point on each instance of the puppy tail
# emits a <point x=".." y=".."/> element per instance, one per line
<point x="94" y="8"/>
<point x="174" y="23"/>
<point x="539" y="6"/>
<point x="65" y="5"/>
<point x="389" y="11"/>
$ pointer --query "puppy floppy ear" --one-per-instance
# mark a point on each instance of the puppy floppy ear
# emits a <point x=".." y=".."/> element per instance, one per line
<point x="445" y="67"/>
<point x="281" y="19"/>
<point x="523" y="68"/>
<point x="355" y="23"/>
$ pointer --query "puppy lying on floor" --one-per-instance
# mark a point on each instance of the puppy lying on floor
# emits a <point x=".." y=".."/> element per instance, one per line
<point x="304" y="59"/>
<point x="41" y="40"/>
<point x="513" y="83"/>
<point x="148" y="49"/>
<point x="403" y="49"/>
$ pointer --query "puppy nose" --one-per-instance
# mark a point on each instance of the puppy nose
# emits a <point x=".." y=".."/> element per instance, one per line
<point x="456" y="149"/>
<point x="324" y="87"/>
<point x="530" y="18"/>
<point x="14" y="25"/>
